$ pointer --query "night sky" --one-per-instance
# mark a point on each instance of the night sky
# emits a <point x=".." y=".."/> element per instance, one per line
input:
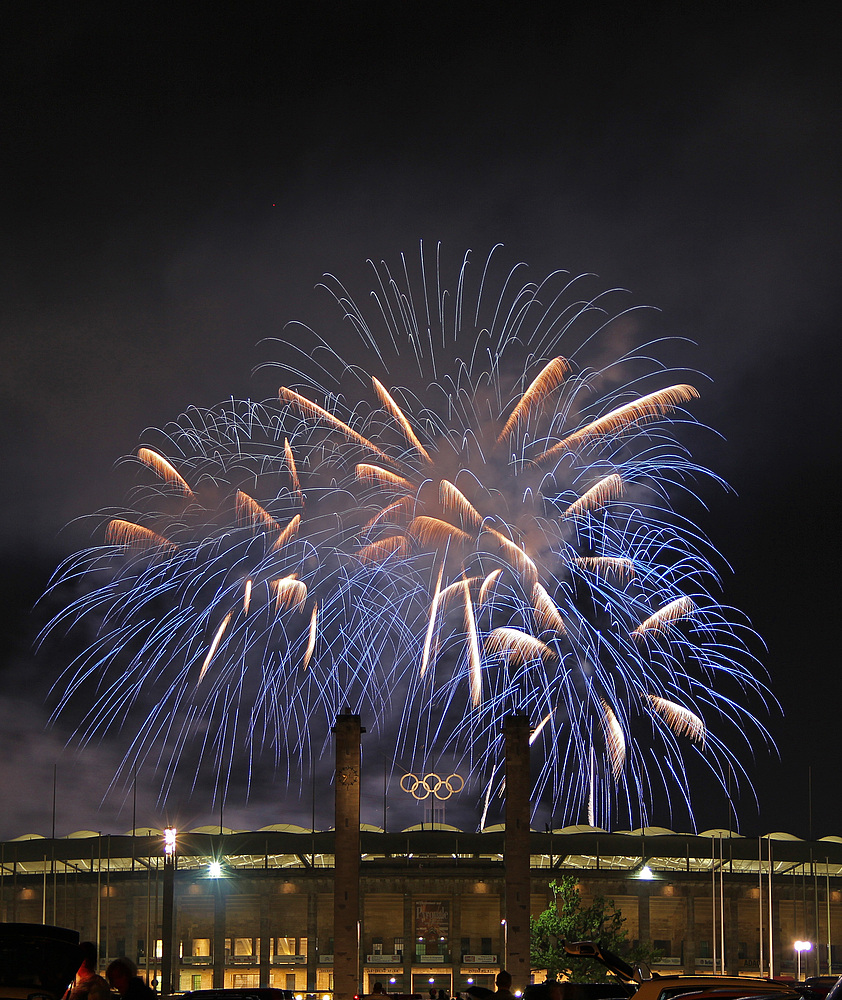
<point x="176" y="181"/>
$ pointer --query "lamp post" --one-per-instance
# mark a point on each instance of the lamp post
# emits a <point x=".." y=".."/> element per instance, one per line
<point x="167" y="915"/>
<point x="799" y="947"/>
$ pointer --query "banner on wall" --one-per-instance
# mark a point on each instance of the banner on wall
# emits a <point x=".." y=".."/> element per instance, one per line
<point x="432" y="926"/>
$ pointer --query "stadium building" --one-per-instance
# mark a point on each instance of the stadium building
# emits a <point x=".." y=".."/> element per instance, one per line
<point x="430" y="907"/>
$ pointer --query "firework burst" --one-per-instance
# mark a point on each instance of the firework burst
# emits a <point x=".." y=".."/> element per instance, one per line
<point x="450" y="519"/>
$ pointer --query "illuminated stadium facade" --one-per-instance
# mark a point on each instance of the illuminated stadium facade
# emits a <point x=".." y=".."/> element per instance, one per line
<point x="430" y="907"/>
<point x="257" y="908"/>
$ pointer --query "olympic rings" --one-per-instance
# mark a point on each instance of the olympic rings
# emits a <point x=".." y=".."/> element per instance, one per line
<point x="432" y="784"/>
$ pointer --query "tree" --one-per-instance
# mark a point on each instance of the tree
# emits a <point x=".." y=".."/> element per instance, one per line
<point x="567" y="919"/>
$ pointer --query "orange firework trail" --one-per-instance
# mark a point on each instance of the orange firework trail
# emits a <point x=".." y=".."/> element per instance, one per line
<point x="615" y="739"/>
<point x="604" y="565"/>
<point x="135" y="536"/>
<point x="435" y="531"/>
<point x="293" y="470"/>
<point x="454" y="500"/>
<point x="383" y="548"/>
<point x="382" y="477"/>
<point x="250" y="512"/>
<point x="656" y="404"/>
<point x="290" y="593"/>
<point x="214" y="646"/>
<point x="515" y="556"/>
<point x="682" y="607"/>
<point x="398" y="414"/>
<point x="551" y="377"/>
<point x="517" y="646"/>
<point x="598" y="495"/>
<point x="312" y="637"/>
<point x="681" y="720"/>
<point x="536" y="732"/>
<point x="547" y="615"/>
<point x="474" y="658"/>
<point x="431" y="626"/>
<point x="164" y="469"/>
<point x="488" y="585"/>
<point x="311" y="409"/>
<point x="288" y="532"/>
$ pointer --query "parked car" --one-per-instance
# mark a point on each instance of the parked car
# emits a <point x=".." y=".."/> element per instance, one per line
<point x="653" y="986"/>
<point x="242" y="993"/>
<point x="388" y="996"/>
<point x="820" y="986"/>
<point x="792" y="992"/>
<point x="37" y="961"/>
<point x="836" y="990"/>
<point x="596" y="991"/>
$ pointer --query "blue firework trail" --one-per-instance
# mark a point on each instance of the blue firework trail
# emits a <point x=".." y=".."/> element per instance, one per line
<point x="451" y="518"/>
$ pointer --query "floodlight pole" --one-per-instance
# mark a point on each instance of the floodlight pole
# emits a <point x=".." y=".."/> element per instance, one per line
<point x="515" y="922"/>
<point x="346" y="892"/>
<point x="168" y="913"/>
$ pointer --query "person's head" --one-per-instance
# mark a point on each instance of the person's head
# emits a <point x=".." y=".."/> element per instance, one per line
<point x="87" y="956"/>
<point x="503" y="980"/>
<point x="120" y="973"/>
<point x="378" y="988"/>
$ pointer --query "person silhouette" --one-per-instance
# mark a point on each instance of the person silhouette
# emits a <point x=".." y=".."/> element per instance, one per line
<point x="87" y="984"/>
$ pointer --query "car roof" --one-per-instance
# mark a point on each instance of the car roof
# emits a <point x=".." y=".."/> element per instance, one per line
<point x="241" y="993"/>
<point x="664" y="987"/>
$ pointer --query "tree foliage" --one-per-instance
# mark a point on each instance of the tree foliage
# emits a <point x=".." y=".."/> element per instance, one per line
<point x="568" y="919"/>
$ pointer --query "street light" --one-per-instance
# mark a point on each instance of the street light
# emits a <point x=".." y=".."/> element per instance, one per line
<point x="799" y="947"/>
<point x="168" y="912"/>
